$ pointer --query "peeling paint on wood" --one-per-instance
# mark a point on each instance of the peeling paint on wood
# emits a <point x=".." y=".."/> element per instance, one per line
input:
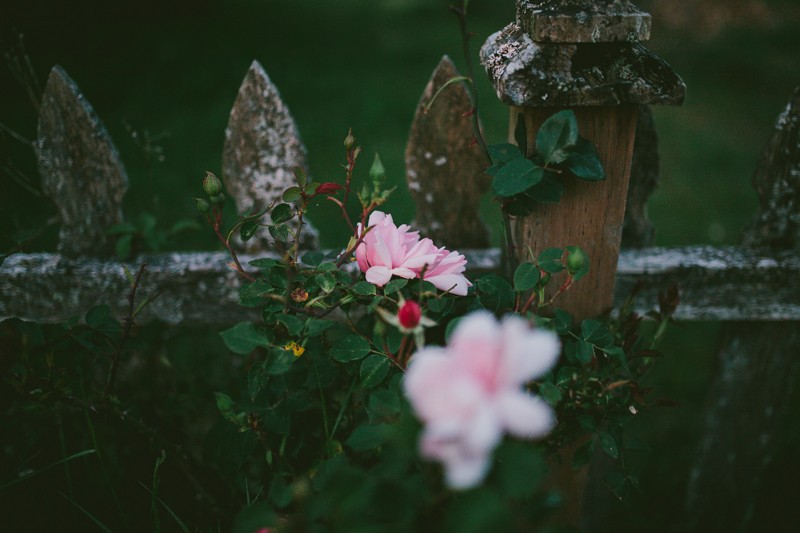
<point x="444" y="169"/>
<point x="80" y="168"/>
<point x="262" y="146"/>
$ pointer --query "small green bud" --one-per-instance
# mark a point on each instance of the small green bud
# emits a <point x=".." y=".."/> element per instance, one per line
<point x="211" y="184"/>
<point x="377" y="172"/>
<point x="576" y="259"/>
<point x="218" y="199"/>
<point x="349" y="141"/>
<point x="202" y="205"/>
<point x="545" y="279"/>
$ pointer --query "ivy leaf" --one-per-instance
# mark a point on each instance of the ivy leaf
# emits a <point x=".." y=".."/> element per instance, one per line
<point x="526" y="277"/>
<point x="516" y="177"/>
<point x="350" y="348"/>
<point x="557" y="136"/>
<point x="585" y="163"/>
<point x="373" y="370"/>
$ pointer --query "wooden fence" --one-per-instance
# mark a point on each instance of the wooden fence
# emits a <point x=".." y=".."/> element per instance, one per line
<point x="757" y="283"/>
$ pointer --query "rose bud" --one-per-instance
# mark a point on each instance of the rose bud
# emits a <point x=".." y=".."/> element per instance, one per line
<point x="409" y="314"/>
<point x="211" y="184"/>
<point x="328" y="188"/>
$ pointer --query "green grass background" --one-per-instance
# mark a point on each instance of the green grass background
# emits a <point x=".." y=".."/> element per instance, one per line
<point x="173" y="69"/>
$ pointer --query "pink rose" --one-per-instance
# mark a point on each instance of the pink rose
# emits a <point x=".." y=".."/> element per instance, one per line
<point x="388" y="250"/>
<point x="471" y="392"/>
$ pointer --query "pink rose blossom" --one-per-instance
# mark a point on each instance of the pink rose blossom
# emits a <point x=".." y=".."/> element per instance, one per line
<point x="388" y="250"/>
<point x="470" y="393"/>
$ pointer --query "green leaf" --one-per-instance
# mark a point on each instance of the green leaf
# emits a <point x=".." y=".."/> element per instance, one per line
<point x="596" y="332"/>
<point x="370" y="436"/>
<point x="550" y="393"/>
<point x="504" y="152"/>
<point x="278" y="362"/>
<point x="394" y="286"/>
<point x="294" y="325"/>
<point x="548" y="191"/>
<point x="382" y="404"/>
<point x="265" y="263"/>
<point x="248" y="229"/>
<point x="550" y="260"/>
<point x="519" y="205"/>
<point x="313" y="259"/>
<point x="526" y="277"/>
<point x="587" y="423"/>
<point x="608" y="444"/>
<point x="364" y="288"/>
<point x="315" y="326"/>
<point x="281" y="213"/>
<point x="584" y="352"/>
<point x="496" y="292"/>
<point x="583" y="455"/>
<point x="520" y="468"/>
<point x="255" y="518"/>
<point x="615" y="352"/>
<point x="557" y="136"/>
<point x="584" y="162"/>
<point x="291" y="194"/>
<point x="123" y="247"/>
<point x="562" y="321"/>
<point x="350" y="348"/>
<point x="325" y="281"/>
<point x="373" y="370"/>
<point x="244" y="337"/>
<point x="516" y="176"/>
<point x="280" y="233"/>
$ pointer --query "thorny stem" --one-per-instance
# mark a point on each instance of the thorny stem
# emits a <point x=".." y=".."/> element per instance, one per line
<point x="215" y="223"/>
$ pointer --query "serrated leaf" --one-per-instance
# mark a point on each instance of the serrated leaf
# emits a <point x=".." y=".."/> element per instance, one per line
<point x="557" y="136"/>
<point x="281" y="213"/>
<point x="244" y="337"/>
<point x="504" y="152"/>
<point x="526" y="277"/>
<point x="350" y="348"/>
<point x="325" y="281"/>
<point x="280" y="233"/>
<point x="364" y="288"/>
<point x="584" y="162"/>
<point x="516" y="176"/>
<point x="394" y="285"/>
<point x="373" y="370"/>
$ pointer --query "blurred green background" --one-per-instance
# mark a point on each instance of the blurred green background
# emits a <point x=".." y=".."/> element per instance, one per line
<point x="172" y="70"/>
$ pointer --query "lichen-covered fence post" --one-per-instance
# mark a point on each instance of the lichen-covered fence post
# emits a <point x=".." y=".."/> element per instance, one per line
<point x="582" y="55"/>
<point x="755" y="395"/>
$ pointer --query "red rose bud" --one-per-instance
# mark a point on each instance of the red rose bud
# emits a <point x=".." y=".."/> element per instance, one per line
<point x="409" y="314"/>
<point x="328" y="188"/>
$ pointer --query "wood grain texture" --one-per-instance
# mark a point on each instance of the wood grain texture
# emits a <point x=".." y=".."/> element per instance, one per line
<point x="444" y="169"/>
<point x="80" y="168"/>
<point x="262" y="146"/>
<point x="590" y="214"/>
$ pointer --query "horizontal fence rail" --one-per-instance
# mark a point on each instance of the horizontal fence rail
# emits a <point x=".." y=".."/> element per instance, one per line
<point x="715" y="283"/>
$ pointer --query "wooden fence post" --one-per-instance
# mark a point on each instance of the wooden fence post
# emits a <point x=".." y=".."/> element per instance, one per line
<point x="262" y="146"/>
<point x="585" y="57"/>
<point x="754" y="396"/>
<point x="80" y="168"/>
<point x="444" y="170"/>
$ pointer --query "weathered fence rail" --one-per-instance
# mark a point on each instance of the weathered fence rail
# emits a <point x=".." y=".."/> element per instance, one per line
<point x="716" y="283"/>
